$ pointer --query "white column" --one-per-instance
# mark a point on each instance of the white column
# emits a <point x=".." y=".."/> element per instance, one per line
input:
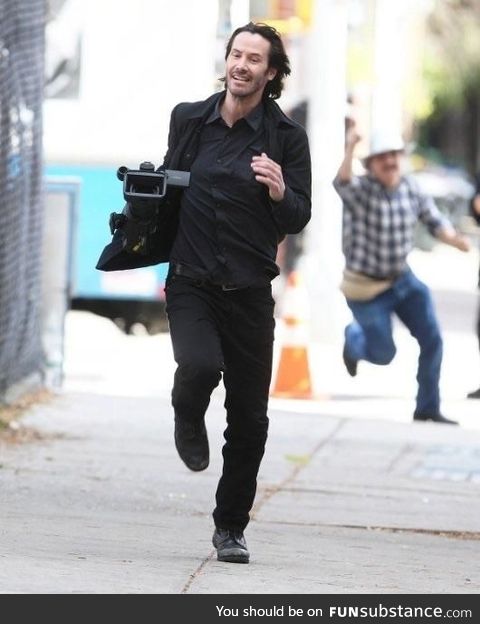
<point x="323" y="260"/>
<point x="392" y="43"/>
<point x="386" y="109"/>
<point x="239" y="13"/>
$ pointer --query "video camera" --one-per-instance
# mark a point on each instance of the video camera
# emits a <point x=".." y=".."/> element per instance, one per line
<point x="144" y="190"/>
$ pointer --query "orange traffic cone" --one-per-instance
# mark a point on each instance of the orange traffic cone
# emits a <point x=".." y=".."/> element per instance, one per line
<point x="293" y="374"/>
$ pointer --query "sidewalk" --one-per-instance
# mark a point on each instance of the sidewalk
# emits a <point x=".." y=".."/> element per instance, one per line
<point x="353" y="497"/>
<point x="102" y="504"/>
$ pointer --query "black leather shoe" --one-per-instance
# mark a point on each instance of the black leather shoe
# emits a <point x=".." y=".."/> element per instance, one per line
<point x="231" y="546"/>
<point x="191" y="442"/>
<point x="438" y="418"/>
<point x="474" y="395"/>
<point x="350" y="364"/>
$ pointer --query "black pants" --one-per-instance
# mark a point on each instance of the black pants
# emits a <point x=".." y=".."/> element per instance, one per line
<point x="231" y="332"/>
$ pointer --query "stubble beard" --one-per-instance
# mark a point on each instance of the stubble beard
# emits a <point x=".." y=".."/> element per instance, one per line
<point x="254" y="87"/>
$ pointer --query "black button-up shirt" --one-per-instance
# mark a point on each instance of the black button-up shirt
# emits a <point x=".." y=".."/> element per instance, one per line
<point x="226" y="231"/>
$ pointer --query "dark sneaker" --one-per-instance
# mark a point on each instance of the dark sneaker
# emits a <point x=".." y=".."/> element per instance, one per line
<point x="231" y="546"/>
<point x="350" y="364"/>
<point x="474" y="395"/>
<point x="191" y="442"/>
<point x="438" y="418"/>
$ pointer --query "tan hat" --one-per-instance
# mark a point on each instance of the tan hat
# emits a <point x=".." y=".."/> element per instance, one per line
<point x="382" y="142"/>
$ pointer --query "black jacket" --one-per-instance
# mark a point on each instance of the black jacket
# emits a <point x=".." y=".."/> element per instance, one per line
<point x="286" y="143"/>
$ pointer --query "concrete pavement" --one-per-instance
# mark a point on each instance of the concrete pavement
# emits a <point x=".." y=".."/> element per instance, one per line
<point x="353" y="497"/>
<point x="102" y="504"/>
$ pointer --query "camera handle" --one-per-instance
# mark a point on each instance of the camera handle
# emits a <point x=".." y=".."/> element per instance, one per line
<point x="131" y="177"/>
<point x="155" y="181"/>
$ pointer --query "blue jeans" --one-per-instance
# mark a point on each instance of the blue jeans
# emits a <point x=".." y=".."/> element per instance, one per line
<point x="369" y="337"/>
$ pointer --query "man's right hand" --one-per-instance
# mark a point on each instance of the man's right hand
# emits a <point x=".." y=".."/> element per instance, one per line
<point x="352" y="138"/>
<point x="345" y="172"/>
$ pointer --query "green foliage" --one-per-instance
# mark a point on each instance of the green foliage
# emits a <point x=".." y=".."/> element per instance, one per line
<point x="452" y="61"/>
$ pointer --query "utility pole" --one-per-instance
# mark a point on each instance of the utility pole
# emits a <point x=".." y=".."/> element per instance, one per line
<point x="392" y="47"/>
<point x="322" y="262"/>
<point x="386" y="108"/>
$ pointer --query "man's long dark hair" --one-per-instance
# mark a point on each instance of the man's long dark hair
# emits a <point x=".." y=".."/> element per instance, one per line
<point x="277" y="59"/>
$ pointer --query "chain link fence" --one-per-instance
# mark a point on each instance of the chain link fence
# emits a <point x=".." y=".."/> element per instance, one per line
<point x="22" y="43"/>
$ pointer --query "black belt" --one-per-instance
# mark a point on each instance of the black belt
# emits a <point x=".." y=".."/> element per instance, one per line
<point x="199" y="280"/>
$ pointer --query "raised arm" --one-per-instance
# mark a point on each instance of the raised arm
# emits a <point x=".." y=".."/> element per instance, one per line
<point x="345" y="172"/>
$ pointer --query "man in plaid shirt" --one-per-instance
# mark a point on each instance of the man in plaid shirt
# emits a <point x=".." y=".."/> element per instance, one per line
<point x="380" y="211"/>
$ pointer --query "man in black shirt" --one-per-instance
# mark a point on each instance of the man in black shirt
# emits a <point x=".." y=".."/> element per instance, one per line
<point x="249" y="187"/>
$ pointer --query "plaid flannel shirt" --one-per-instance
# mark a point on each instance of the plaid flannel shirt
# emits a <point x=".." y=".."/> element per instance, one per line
<point x="379" y="224"/>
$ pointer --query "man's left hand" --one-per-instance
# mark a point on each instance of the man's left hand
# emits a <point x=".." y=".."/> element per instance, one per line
<point x="462" y="243"/>
<point x="448" y="235"/>
<point x="268" y="172"/>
